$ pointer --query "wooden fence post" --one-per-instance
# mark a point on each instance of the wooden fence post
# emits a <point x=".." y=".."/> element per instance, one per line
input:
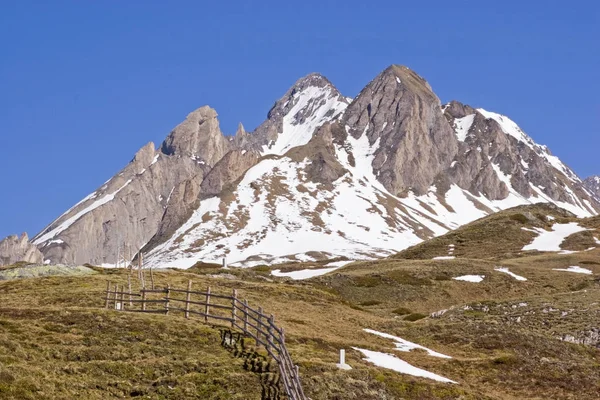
<point x="143" y="299"/>
<point x="207" y="307"/>
<point x="245" y="316"/>
<point x="123" y="298"/>
<point x="269" y="339"/>
<point x="168" y="290"/>
<point x="259" y="324"/>
<point x="129" y="287"/>
<point x="233" y="309"/>
<point x="116" y="295"/>
<point x="107" y="293"/>
<point x="187" y="300"/>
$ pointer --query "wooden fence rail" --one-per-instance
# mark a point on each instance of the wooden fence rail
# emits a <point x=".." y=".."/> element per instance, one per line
<point x="231" y="310"/>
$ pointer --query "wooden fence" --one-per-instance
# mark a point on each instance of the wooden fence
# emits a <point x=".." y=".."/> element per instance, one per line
<point x="209" y="306"/>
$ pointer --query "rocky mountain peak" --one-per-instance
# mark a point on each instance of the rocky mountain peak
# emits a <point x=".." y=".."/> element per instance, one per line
<point x="240" y="130"/>
<point x="145" y="156"/>
<point x="199" y="137"/>
<point x="312" y="86"/>
<point x="402" y="118"/>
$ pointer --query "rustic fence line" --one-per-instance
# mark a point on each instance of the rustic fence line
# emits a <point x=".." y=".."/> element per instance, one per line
<point x="254" y="323"/>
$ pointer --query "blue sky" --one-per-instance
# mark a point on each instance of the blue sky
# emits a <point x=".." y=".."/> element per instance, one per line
<point x="83" y="85"/>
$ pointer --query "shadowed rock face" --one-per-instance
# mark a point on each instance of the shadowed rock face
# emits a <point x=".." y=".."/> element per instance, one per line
<point x="593" y="185"/>
<point x="14" y="249"/>
<point x="396" y="130"/>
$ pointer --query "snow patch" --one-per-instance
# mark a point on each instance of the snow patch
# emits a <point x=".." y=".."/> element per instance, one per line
<point x="462" y="126"/>
<point x="575" y="269"/>
<point x="470" y="278"/>
<point x="304" y="273"/>
<point x="506" y="271"/>
<point x="551" y="240"/>
<point x="405" y="345"/>
<point x="392" y="362"/>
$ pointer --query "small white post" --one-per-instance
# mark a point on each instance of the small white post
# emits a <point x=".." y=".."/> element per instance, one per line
<point x="342" y="364"/>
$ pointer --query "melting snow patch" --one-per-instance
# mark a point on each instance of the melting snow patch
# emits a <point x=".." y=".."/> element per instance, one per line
<point x="506" y="271"/>
<point x="444" y="258"/>
<point x="470" y="278"/>
<point x="551" y="240"/>
<point x="395" y="364"/>
<point x="405" y="345"/>
<point x="303" y="273"/>
<point x="577" y="270"/>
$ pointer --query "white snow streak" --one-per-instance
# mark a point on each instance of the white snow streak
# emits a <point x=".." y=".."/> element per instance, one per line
<point x="470" y="278"/>
<point x="506" y="271"/>
<point x="70" y="221"/>
<point x="575" y="269"/>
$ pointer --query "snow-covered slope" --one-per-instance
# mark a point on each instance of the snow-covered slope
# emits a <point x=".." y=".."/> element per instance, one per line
<point x="312" y="107"/>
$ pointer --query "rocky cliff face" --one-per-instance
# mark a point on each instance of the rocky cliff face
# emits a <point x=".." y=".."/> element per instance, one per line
<point x="593" y="185"/>
<point x="323" y="176"/>
<point x="14" y="249"/>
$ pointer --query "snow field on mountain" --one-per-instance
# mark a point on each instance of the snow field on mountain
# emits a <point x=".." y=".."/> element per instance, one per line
<point x="462" y="126"/>
<point x="308" y="101"/>
<point x="551" y="240"/>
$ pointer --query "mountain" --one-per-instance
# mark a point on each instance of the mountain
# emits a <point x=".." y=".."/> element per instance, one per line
<point x="593" y="185"/>
<point x="323" y="176"/>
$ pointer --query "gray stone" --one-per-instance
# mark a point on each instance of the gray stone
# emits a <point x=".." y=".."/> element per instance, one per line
<point x="14" y="249"/>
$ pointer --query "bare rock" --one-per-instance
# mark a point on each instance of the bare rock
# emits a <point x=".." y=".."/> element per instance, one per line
<point x="14" y="249"/>
<point x="399" y="109"/>
<point x="199" y="137"/>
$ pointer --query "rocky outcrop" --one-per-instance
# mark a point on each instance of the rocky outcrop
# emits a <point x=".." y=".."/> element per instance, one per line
<point x="14" y="249"/>
<point x="230" y="168"/>
<point x="590" y="337"/>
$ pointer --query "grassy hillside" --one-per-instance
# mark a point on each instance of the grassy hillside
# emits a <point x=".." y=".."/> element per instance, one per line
<point x="499" y="236"/>
<point x="58" y="341"/>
